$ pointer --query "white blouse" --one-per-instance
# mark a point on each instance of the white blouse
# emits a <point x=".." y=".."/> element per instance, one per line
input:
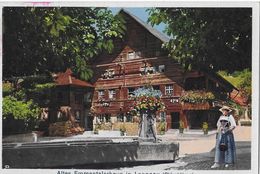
<point x="230" y="119"/>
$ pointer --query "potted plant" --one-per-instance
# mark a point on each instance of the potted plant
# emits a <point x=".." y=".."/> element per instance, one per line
<point x="122" y="130"/>
<point x="181" y="126"/>
<point x="97" y="127"/>
<point x="162" y="128"/>
<point x="205" y="128"/>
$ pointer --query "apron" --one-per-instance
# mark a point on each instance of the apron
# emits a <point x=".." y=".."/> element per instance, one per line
<point x="225" y="151"/>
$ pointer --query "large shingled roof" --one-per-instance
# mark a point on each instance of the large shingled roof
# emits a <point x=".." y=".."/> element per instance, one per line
<point x="64" y="79"/>
<point x="153" y="31"/>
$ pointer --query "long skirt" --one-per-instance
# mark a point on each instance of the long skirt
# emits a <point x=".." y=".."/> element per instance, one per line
<point x="228" y="156"/>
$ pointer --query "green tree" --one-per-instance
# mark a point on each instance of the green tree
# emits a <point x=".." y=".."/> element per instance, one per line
<point x="46" y="40"/>
<point x="216" y="38"/>
<point x="242" y="80"/>
<point x="19" y="115"/>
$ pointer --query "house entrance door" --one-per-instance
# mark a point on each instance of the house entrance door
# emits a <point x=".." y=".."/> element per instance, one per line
<point x="88" y="121"/>
<point x="175" y="116"/>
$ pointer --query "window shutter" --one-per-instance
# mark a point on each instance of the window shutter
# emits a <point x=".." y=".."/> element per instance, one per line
<point x="162" y="87"/>
<point x="95" y="95"/>
<point x="176" y="90"/>
<point x="117" y="94"/>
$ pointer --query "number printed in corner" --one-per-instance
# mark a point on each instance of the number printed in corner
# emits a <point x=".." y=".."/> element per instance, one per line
<point x="7" y="167"/>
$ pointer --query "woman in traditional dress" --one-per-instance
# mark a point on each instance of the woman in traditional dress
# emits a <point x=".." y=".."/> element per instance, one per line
<point x="225" y="144"/>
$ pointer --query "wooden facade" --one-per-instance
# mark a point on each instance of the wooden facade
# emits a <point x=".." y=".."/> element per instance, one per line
<point x="137" y="61"/>
<point x="71" y="99"/>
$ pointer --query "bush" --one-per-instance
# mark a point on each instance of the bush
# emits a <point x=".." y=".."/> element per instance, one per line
<point x="205" y="126"/>
<point x="122" y="128"/>
<point x="161" y="128"/>
<point x="19" y="116"/>
<point x="19" y="109"/>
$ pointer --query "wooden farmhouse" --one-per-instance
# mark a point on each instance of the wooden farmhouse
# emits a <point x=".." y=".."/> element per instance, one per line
<point x="138" y="60"/>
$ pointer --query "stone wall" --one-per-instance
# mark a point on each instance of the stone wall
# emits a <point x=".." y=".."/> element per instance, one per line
<point x="131" y="128"/>
<point x="69" y="154"/>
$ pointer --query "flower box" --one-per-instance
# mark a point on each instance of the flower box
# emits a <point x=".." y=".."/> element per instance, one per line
<point x="195" y="106"/>
<point x="197" y="96"/>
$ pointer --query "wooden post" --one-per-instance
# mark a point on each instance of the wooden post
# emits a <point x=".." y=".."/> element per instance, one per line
<point x="183" y="117"/>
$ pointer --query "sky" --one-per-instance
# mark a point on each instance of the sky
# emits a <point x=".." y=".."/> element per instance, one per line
<point x="142" y="14"/>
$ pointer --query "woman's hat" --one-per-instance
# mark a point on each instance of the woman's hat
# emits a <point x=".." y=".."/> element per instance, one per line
<point x="225" y="108"/>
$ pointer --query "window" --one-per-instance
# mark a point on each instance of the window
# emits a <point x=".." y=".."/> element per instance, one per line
<point x="111" y="73"/>
<point x="161" y="68"/>
<point x="104" y="118"/>
<point x="151" y="70"/>
<point x="120" y="117"/>
<point x="131" y="55"/>
<point x="138" y="54"/>
<point x="108" y="74"/>
<point x="112" y="94"/>
<point x="101" y="94"/>
<point x="169" y="90"/>
<point x="129" y="117"/>
<point x="108" y="117"/>
<point x="101" y="118"/>
<point x="87" y="97"/>
<point x="131" y="92"/>
<point x="148" y="70"/>
<point x="143" y="70"/>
